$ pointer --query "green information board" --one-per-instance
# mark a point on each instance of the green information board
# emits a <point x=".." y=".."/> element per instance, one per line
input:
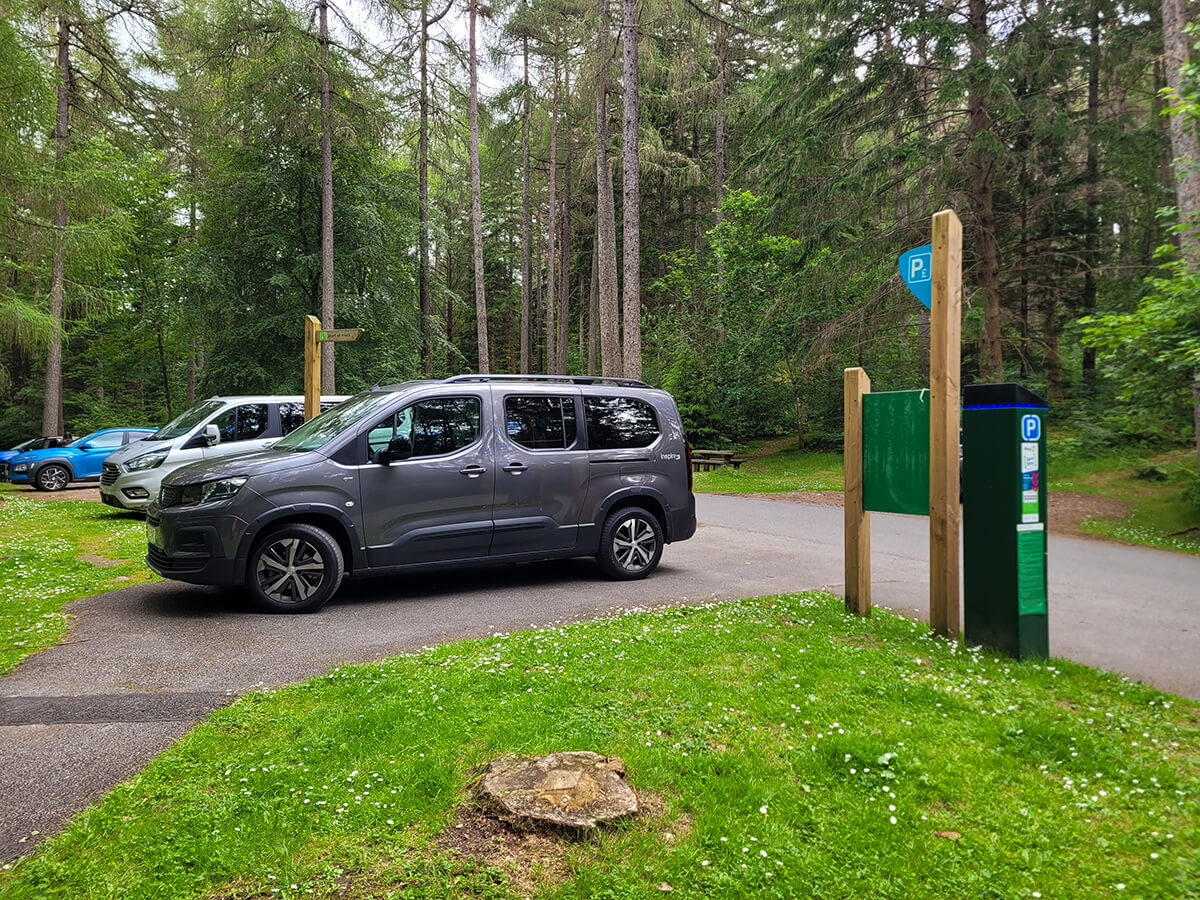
<point x="896" y="452"/>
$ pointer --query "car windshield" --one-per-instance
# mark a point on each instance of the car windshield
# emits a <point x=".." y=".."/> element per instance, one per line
<point x="316" y="433"/>
<point x="31" y="444"/>
<point x="83" y="440"/>
<point x="185" y="422"/>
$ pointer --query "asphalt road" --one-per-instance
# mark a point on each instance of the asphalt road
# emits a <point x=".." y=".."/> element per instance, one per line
<point x="140" y="665"/>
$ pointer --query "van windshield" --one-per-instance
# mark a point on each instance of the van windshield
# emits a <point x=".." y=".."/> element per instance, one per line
<point x="316" y="433"/>
<point x="186" y="421"/>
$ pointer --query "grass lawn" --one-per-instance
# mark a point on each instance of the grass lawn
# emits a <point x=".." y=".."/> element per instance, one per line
<point x="781" y="749"/>
<point x="1159" y="516"/>
<point x="786" y="470"/>
<point x="52" y="552"/>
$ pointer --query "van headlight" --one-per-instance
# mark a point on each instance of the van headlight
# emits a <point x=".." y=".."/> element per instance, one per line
<point x="211" y="491"/>
<point x="146" y="461"/>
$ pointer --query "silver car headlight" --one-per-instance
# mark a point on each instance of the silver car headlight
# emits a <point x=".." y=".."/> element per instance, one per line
<point x="145" y="461"/>
<point x="211" y="491"/>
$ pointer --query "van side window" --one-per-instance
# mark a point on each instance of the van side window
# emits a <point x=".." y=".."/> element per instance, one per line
<point x="291" y="417"/>
<point x="433" y="427"/>
<point x="242" y="423"/>
<point x="614" y="423"/>
<point x="540" y="423"/>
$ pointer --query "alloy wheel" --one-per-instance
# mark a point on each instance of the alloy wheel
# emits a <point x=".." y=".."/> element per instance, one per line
<point x="290" y="570"/>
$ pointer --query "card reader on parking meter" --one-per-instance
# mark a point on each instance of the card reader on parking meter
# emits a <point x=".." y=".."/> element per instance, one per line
<point x="1004" y="519"/>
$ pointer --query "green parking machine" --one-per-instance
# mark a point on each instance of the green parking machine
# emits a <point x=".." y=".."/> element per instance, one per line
<point x="1004" y="519"/>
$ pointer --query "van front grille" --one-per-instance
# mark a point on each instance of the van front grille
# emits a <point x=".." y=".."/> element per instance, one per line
<point x="108" y="474"/>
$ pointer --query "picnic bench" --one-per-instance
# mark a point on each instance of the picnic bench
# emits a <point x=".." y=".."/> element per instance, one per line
<point x="706" y="460"/>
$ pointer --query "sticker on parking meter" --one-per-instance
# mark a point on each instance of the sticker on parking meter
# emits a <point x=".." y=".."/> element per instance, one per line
<point x="1031" y="572"/>
<point x="1029" y="456"/>
<point x="1029" y="482"/>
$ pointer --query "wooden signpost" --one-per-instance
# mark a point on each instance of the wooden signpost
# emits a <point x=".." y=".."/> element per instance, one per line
<point x="939" y="280"/>
<point x="945" y="408"/>
<point x="314" y="336"/>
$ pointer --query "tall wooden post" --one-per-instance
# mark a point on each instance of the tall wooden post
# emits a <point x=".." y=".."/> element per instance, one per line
<point x="312" y="367"/>
<point x="858" y="521"/>
<point x="945" y="407"/>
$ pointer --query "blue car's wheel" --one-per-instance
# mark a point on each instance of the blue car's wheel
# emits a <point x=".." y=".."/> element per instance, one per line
<point x="52" y="478"/>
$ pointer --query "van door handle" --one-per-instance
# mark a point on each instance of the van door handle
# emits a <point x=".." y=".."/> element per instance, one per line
<point x="472" y="471"/>
<point x="515" y="468"/>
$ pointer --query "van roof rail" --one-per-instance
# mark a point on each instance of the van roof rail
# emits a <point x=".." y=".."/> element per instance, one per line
<point x="560" y="379"/>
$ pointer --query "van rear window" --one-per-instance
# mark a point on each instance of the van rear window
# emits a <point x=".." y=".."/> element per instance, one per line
<point x="614" y="423"/>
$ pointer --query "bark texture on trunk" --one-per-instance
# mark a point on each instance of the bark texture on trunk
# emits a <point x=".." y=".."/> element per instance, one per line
<point x="481" y="326"/>
<point x="52" y="419"/>
<point x="722" y="48"/>
<point x="991" y="361"/>
<point x="552" y="234"/>
<point x="631" y="211"/>
<point x="423" y="198"/>
<point x="564" y="242"/>
<point x="526" y="228"/>
<point x="606" y="226"/>
<point x="593" y="347"/>
<point x="1186" y="150"/>
<point x="1184" y="145"/>
<point x="327" y="373"/>
<point x="1092" y="202"/>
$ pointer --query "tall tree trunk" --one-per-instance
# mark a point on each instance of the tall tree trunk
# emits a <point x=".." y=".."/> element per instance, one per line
<point x="481" y="327"/>
<point x="564" y="243"/>
<point x="162" y="365"/>
<point x="1186" y="150"/>
<point x="526" y="230"/>
<point x="593" y="350"/>
<point x="1184" y="145"/>
<point x="1092" y="203"/>
<point x="191" y="380"/>
<point x="327" y="373"/>
<point x="423" y="199"/>
<point x="552" y="233"/>
<point x="606" y="226"/>
<point x="631" y="211"/>
<point x="722" y="49"/>
<point x="52" y="417"/>
<point x="991" y="362"/>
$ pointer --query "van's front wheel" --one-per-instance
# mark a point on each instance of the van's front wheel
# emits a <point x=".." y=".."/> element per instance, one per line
<point x="294" y="569"/>
<point x="631" y="544"/>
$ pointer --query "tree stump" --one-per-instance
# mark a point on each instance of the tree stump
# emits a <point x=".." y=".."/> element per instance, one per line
<point x="578" y="789"/>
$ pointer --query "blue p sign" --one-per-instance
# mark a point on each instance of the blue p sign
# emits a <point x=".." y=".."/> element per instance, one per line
<point x="1031" y="428"/>
<point x="916" y="268"/>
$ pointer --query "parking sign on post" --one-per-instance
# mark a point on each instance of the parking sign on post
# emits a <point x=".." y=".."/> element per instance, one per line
<point x="916" y="268"/>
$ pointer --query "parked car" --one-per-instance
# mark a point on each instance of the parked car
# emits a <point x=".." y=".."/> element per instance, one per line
<point x="213" y="428"/>
<point x="470" y="470"/>
<point x="52" y="469"/>
<point x="37" y="443"/>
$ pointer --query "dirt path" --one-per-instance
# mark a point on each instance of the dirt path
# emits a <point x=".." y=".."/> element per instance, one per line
<point x="70" y="492"/>
<point x="1068" y="509"/>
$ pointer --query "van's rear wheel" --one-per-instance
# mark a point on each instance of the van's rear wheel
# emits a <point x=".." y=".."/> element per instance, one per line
<point x="294" y="569"/>
<point x="631" y="544"/>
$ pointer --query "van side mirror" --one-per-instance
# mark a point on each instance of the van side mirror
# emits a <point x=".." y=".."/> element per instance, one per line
<point x="397" y="448"/>
<point x="209" y="437"/>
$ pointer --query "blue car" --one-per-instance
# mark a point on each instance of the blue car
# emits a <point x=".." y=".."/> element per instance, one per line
<point x="37" y="443"/>
<point x="55" y="468"/>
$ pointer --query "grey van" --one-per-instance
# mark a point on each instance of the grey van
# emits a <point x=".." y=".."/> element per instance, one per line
<point x="470" y="470"/>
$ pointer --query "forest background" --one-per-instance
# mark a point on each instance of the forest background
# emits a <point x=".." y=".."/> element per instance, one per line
<point x="707" y="194"/>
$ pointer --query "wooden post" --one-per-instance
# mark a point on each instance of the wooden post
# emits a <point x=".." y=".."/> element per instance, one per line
<point x="312" y="367"/>
<point x="945" y="406"/>
<point x="858" y="521"/>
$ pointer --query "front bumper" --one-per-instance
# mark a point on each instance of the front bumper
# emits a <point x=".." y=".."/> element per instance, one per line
<point x="132" y="490"/>
<point x="194" y="547"/>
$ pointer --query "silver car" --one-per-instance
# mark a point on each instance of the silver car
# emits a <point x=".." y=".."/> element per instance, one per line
<point x="471" y="470"/>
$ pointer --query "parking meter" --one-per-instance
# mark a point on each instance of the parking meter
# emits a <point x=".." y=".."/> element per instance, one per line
<point x="1004" y="519"/>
